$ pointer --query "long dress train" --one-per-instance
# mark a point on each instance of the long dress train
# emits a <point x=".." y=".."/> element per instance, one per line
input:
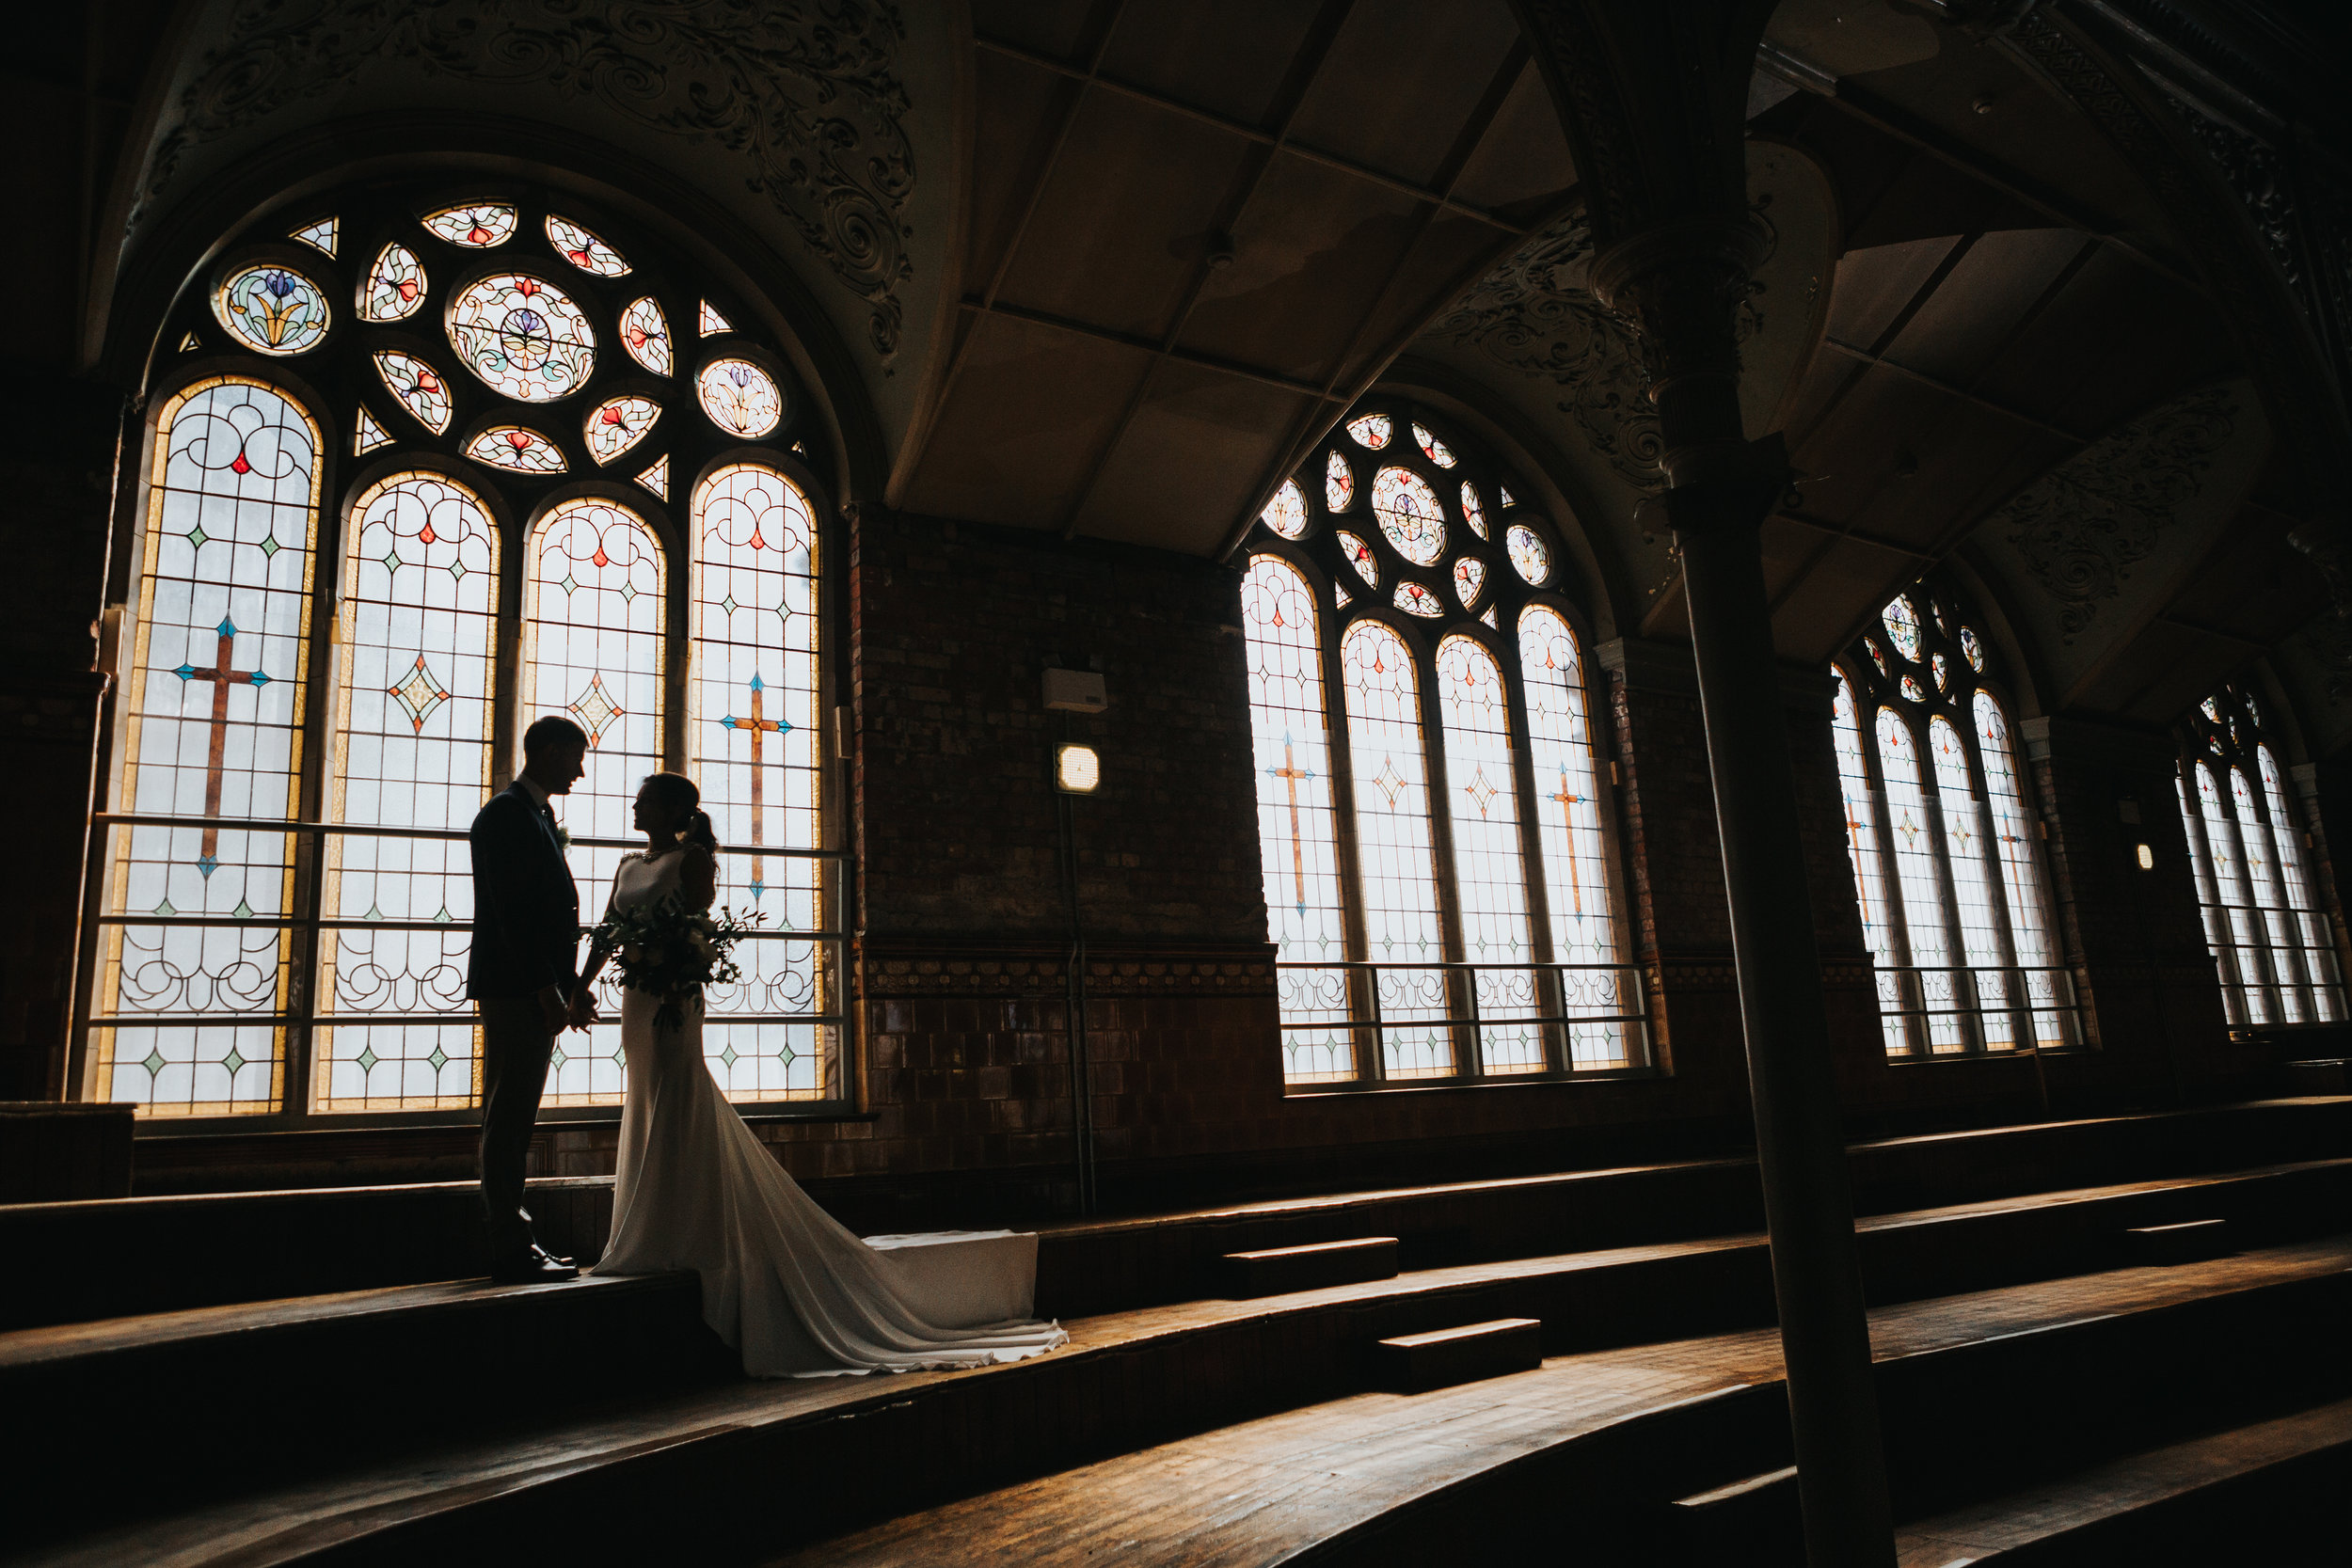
<point x="798" y="1292"/>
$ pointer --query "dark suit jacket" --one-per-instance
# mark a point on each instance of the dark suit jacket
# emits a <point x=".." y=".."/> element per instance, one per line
<point x="526" y="908"/>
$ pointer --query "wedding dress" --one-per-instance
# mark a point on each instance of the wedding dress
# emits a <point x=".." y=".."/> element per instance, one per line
<point x="797" y="1292"/>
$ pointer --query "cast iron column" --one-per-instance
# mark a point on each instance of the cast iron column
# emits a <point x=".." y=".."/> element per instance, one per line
<point x="1680" y="284"/>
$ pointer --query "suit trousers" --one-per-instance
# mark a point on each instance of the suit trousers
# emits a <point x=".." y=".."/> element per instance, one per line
<point x="516" y="1046"/>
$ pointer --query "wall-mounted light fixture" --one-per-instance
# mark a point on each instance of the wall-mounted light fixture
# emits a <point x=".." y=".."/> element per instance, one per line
<point x="1077" y="769"/>
<point x="2147" y="857"/>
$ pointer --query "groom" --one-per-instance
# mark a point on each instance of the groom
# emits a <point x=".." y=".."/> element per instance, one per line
<point x="526" y="946"/>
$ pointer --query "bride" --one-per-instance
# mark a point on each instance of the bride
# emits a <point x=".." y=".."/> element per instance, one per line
<point x="800" y="1294"/>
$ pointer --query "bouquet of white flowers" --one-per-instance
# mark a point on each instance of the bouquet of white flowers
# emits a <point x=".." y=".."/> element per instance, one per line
<point x="668" y="951"/>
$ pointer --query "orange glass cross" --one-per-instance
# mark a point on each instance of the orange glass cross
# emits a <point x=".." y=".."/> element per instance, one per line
<point x="222" y="677"/>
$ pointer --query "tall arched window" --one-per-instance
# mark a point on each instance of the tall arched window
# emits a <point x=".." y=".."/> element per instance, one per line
<point x="1961" y="932"/>
<point x="1440" y="855"/>
<point x="474" y="405"/>
<point x="2271" y="940"/>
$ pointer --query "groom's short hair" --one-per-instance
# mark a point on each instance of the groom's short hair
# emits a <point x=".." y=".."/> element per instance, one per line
<point x="549" y="732"/>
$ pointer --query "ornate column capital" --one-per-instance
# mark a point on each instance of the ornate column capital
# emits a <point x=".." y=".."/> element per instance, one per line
<point x="1679" y="284"/>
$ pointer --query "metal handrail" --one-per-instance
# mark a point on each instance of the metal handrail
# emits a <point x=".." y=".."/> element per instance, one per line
<point x="289" y="825"/>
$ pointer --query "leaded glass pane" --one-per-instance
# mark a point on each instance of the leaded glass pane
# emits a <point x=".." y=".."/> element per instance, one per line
<point x="1530" y="558"/>
<point x="417" y="386"/>
<point x="1971" y="872"/>
<point x="2309" y="923"/>
<point x="522" y="336"/>
<point x="412" y="749"/>
<point x="186" y="1013"/>
<point x="518" y="448"/>
<point x="1572" y="831"/>
<point x="584" y="250"/>
<point x="1434" y="450"/>
<point x="1915" y="874"/>
<point x="1409" y="514"/>
<point x="1470" y="575"/>
<point x="645" y="334"/>
<point x="1412" y="598"/>
<point x="1359" y="556"/>
<point x="1297" y="820"/>
<point x="1471" y="512"/>
<point x="322" y="235"/>
<point x="272" y="310"/>
<point x="1339" y="481"/>
<point x="656" y="476"/>
<point x="1902" y="625"/>
<point x="1489" y="877"/>
<point x="617" y="424"/>
<point x="709" y="323"/>
<point x="1869" y="867"/>
<point x="2013" y="838"/>
<point x="2209" y="904"/>
<point x="1371" y="432"/>
<point x="1396" y="865"/>
<point x="394" y="288"/>
<point x="593" y="648"/>
<point x="1286" y="514"/>
<point x="476" y="227"/>
<point x="2270" y="904"/>
<point x="740" y="398"/>
<point x="2230" y="882"/>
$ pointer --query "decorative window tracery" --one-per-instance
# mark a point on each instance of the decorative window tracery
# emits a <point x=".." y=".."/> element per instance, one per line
<point x="1439" y="850"/>
<point x="2273" y="945"/>
<point x="1943" y="847"/>
<point x="286" y="895"/>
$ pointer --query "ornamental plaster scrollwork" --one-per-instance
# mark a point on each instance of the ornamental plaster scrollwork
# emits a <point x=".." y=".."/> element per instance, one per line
<point x="2253" y="169"/>
<point x="806" y="94"/>
<point x="2081" y="528"/>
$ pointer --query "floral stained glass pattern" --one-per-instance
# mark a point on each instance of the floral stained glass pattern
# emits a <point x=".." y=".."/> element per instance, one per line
<point x="272" y="310"/>
<point x="1412" y="598"/>
<point x="740" y="398"/>
<point x="1473" y="513"/>
<point x="518" y="448"/>
<point x="645" y="334"/>
<point x="522" y="336"/>
<point x="417" y="386"/>
<point x="582" y="249"/>
<point x="1942" y="672"/>
<point x="1373" y="432"/>
<point x="753" y="742"/>
<point x="1437" y="451"/>
<point x="214" y="706"/>
<point x="1902" y="625"/>
<point x="1972" y="648"/>
<point x="1286" y="514"/>
<point x="1409" y="514"/>
<point x="1339" y="481"/>
<point x="1359" y="556"/>
<point x="395" y="285"/>
<point x="709" y="323"/>
<point x="656" y="476"/>
<point x="1396" y="864"/>
<point x="412" y="747"/>
<point x="1490" y="881"/>
<point x="1530" y="557"/>
<point x="366" y="435"/>
<point x="1910" y="689"/>
<point x="1297" y="820"/>
<point x="1470" y="575"/>
<point x="594" y="649"/>
<point x="617" y="424"/>
<point x="478" y="227"/>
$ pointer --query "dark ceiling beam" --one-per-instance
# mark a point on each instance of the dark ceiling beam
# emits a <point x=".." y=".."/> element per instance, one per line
<point x="1991" y="406"/>
<point x="1886" y="118"/>
<point x="1848" y="534"/>
<point x="1248" y="131"/>
<point x="1306" y="65"/>
<point x="972" y="305"/>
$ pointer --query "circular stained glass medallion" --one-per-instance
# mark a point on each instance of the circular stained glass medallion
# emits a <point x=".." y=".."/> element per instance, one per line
<point x="1530" y="557"/>
<point x="1286" y="514"/>
<point x="273" y="308"/>
<point x="1409" y="514"/>
<point x="522" y="336"/>
<point x="740" y="398"/>
<point x="619" y="423"/>
<point x="1902" y="626"/>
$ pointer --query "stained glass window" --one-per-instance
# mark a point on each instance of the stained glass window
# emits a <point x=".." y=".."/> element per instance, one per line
<point x="1286" y="514"/>
<point x="1396" y="866"/>
<point x="645" y="334"/>
<point x="1297" y="821"/>
<point x="709" y="323"/>
<point x="617" y="424"/>
<point x="2273" y="946"/>
<point x="417" y="386"/>
<point x="320" y="235"/>
<point x="1339" y="481"/>
<point x="740" y="398"/>
<point x="1965" y="958"/>
<point x="366" y="435"/>
<point x="656" y="476"/>
<point x="1483" y="942"/>
<point x="516" y="448"/>
<point x="193" y="984"/>
<point x="272" y="310"/>
<point x="1409" y="514"/>
<point x="1504" y="498"/>
<point x="582" y="248"/>
<point x="478" y="227"/>
<point x="524" y="337"/>
<point x="753" y="742"/>
<point x="1530" y="558"/>
<point x="412" y="747"/>
<point x="395" y="285"/>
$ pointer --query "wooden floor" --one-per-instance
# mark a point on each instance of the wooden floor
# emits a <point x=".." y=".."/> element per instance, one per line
<point x="1259" y="1492"/>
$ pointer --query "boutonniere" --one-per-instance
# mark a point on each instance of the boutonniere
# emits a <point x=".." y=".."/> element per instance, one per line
<point x="564" y="838"/>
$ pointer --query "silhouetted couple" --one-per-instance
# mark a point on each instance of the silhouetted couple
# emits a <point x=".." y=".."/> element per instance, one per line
<point x="797" y="1292"/>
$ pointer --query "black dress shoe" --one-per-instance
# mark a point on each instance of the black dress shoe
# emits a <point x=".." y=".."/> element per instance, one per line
<point x="534" y="1268"/>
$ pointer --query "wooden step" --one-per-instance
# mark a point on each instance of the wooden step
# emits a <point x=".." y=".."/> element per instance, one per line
<point x="1416" y="1363"/>
<point x="1754" y="1522"/>
<point x="2182" y="1242"/>
<point x="1278" y="1271"/>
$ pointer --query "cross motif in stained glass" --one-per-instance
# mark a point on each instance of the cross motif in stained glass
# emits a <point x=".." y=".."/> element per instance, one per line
<point x="595" y="709"/>
<point x="420" y="693"/>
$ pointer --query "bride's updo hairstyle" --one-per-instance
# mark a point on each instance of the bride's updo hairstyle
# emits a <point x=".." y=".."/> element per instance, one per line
<point x="682" y="798"/>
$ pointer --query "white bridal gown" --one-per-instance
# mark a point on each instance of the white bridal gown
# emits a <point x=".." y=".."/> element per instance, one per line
<point x="800" y="1294"/>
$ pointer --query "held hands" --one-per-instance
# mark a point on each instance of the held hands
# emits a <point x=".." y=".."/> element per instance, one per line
<point x="551" y="1009"/>
<point x="582" y="1012"/>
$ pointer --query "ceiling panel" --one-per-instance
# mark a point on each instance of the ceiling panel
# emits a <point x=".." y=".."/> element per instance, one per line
<point x="1190" y="462"/>
<point x="1226" y="57"/>
<point x="1402" y="78"/>
<point x="1523" y="162"/>
<point x="1017" y="109"/>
